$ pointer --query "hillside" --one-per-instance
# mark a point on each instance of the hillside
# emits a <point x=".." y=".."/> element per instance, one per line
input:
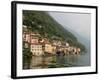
<point x="43" y="23"/>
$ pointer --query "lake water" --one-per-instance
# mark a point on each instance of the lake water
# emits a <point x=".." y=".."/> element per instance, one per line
<point x="39" y="62"/>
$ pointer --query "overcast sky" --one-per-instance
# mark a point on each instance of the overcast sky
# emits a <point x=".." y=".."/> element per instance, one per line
<point x="78" y="22"/>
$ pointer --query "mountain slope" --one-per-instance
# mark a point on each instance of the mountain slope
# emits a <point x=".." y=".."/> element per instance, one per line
<point x="43" y="23"/>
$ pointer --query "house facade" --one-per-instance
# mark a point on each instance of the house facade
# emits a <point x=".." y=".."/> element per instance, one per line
<point x="48" y="48"/>
<point x="36" y="49"/>
<point x="34" y="39"/>
<point x="39" y="45"/>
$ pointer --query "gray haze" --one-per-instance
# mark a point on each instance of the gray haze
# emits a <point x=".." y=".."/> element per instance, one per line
<point x="80" y="25"/>
<point x="77" y="22"/>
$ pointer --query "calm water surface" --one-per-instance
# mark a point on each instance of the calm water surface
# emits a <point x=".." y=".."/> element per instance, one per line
<point x="39" y="62"/>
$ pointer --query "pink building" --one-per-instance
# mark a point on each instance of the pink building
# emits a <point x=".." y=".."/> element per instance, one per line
<point x="34" y="39"/>
<point x="30" y="37"/>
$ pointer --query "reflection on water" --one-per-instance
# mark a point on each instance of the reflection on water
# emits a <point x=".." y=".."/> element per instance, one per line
<point x="56" y="61"/>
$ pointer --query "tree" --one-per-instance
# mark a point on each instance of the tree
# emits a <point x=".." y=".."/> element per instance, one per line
<point x="27" y="56"/>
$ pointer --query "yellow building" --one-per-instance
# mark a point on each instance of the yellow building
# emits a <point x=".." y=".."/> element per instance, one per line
<point x="48" y="48"/>
<point x="53" y="49"/>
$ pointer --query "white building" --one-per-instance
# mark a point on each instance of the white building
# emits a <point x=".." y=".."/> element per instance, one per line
<point x="36" y="49"/>
<point x="67" y="44"/>
<point x="57" y="43"/>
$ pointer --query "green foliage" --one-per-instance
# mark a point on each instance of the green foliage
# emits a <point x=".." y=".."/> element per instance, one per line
<point x="27" y="55"/>
<point x="49" y="27"/>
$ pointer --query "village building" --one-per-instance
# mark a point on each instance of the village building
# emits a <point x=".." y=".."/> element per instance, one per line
<point x="79" y="50"/>
<point x="26" y="37"/>
<point x="30" y="37"/>
<point x="46" y="41"/>
<point x="48" y="48"/>
<point x="67" y="44"/>
<point x="38" y="45"/>
<point x="74" y="50"/>
<point x="65" y="50"/>
<point x="57" y="43"/>
<point x="34" y="39"/>
<point x="70" y="50"/>
<point x="36" y="49"/>
<point x="54" y="49"/>
<point x="35" y="34"/>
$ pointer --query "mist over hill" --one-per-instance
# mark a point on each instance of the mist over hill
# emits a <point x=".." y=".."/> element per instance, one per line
<point x="43" y="23"/>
